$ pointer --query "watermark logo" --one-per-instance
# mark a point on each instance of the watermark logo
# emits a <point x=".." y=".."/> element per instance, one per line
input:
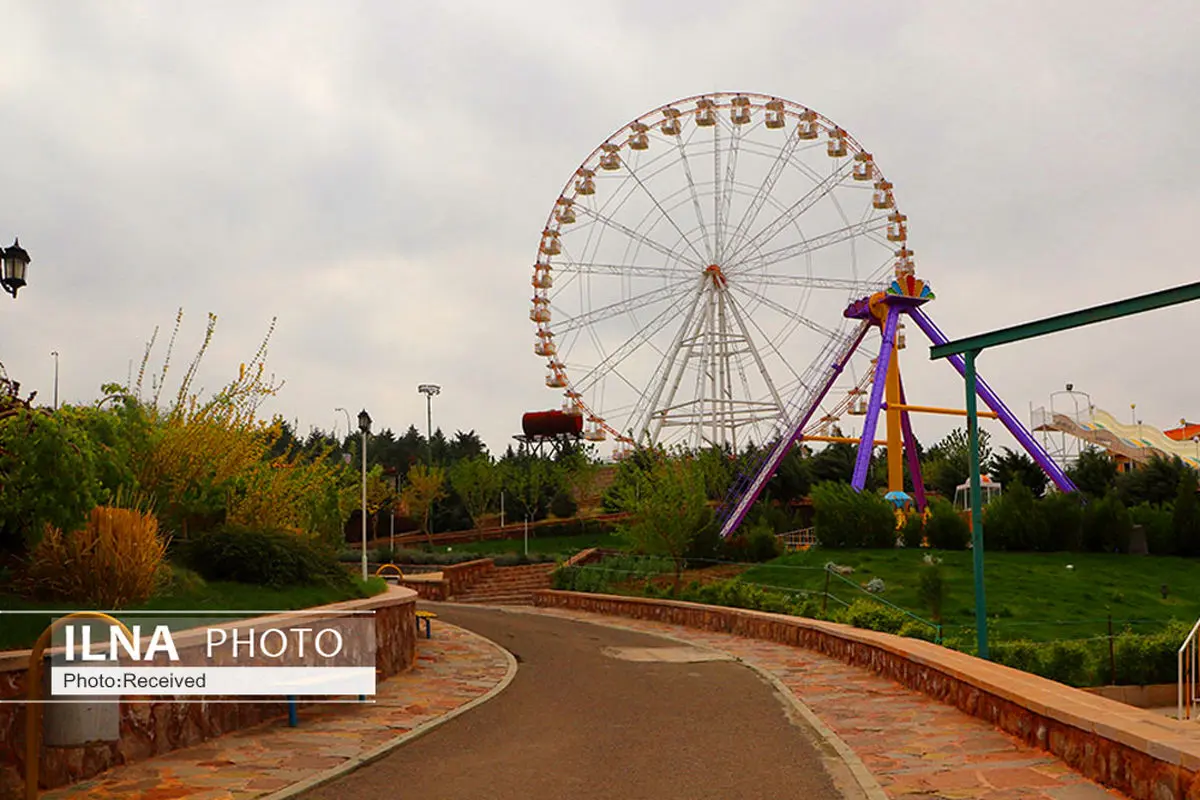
<point x="310" y="654"/>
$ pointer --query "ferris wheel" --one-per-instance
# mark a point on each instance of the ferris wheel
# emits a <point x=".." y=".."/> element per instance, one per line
<point x="699" y="259"/>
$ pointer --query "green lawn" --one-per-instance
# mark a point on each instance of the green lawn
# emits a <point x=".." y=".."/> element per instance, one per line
<point x="1029" y="595"/>
<point x="558" y="545"/>
<point x="18" y="631"/>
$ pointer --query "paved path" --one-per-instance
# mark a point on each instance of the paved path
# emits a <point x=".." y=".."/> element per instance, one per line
<point x="597" y="712"/>
<point x="914" y="746"/>
<point x="453" y="668"/>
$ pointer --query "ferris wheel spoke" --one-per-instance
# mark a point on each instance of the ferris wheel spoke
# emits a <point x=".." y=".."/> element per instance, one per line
<point x="687" y="171"/>
<point x="613" y="309"/>
<point x="814" y="195"/>
<point x="628" y="347"/>
<point x="633" y="173"/>
<point x="787" y="313"/>
<point x="624" y="270"/>
<point x="812" y="245"/>
<point x="808" y="282"/>
<point x="735" y="144"/>
<point x="632" y="234"/>
<point x="782" y="159"/>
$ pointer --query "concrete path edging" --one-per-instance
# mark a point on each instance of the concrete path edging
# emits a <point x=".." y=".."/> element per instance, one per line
<point x="379" y="752"/>
<point x="867" y="784"/>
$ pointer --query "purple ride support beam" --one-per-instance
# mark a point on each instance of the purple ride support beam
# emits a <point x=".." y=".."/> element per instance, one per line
<point x="1035" y="450"/>
<point x="742" y="504"/>
<point x="910" y="450"/>
<point x="866" y="444"/>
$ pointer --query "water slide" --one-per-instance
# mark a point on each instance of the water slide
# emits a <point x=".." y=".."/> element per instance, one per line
<point x="1139" y="443"/>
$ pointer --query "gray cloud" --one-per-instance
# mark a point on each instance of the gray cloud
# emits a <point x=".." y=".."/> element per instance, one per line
<point x="377" y="175"/>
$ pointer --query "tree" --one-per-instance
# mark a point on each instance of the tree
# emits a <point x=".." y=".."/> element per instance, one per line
<point x="1094" y="472"/>
<point x="1012" y="522"/>
<point x="948" y="463"/>
<point x="669" y="508"/>
<point x="1186" y="515"/>
<point x="425" y="487"/>
<point x="1154" y="482"/>
<point x="1013" y="466"/>
<point x="477" y="481"/>
<point x="834" y="463"/>
<point x="531" y="482"/>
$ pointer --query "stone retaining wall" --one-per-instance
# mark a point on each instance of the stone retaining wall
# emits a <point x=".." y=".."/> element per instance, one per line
<point x="456" y="579"/>
<point x="163" y="725"/>
<point x="1143" y="754"/>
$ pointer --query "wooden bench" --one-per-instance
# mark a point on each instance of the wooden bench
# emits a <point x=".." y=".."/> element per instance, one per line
<point x="427" y="616"/>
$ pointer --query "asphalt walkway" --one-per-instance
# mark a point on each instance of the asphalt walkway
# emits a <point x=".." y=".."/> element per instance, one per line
<point x="914" y="746"/>
<point x="597" y="713"/>
<point x="611" y="708"/>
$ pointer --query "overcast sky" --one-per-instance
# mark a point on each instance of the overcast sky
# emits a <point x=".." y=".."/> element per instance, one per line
<point x="377" y="174"/>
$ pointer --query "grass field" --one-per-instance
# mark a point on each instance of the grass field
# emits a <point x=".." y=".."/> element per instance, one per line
<point x="559" y="545"/>
<point x="1029" y="595"/>
<point x="18" y="631"/>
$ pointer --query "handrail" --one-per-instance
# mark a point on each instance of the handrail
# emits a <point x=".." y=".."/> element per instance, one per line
<point x="1189" y="674"/>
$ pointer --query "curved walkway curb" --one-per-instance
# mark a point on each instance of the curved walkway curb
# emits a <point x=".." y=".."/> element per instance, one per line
<point x="867" y="784"/>
<point x="416" y="733"/>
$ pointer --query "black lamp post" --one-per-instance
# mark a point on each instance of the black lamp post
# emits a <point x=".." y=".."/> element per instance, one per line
<point x="13" y="263"/>
<point x="364" y="425"/>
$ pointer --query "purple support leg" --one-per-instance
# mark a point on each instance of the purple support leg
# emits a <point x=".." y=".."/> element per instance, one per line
<point x="866" y="445"/>
<point x="740" y="504"/>
<point x="1035" y="450"/>
<point x="910" y="450"/>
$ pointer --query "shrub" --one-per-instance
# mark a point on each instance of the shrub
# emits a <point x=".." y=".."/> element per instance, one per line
<point x="755" y="543"/>
<point x="846" y="518"/>
<point x="1186" y="515"/>
<point x="1062" y="515"/>
<point x="1066" y="662"/>
<point x="931" y="589"/>
<point x="1106" y="525"/>
<point x="913" y="531"/>
<point x="114" y="561"/>
<point x="946" y="529"/>
<point x="1149" y="658"/>
<point x="1157" y="523"/>
<point x="264" y="557"/>
<point x="1012" y="522"/>
<point x="563" y="505"/>
<point x="863" y="613"/>
<point x="1018" y="654"/>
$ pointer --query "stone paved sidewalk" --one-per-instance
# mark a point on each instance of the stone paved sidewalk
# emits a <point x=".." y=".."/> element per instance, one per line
<point x="914" y="746"/>
<point x="453" y="668"/>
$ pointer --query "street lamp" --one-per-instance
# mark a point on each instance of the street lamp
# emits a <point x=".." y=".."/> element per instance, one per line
<point x="429" y="390"/>
<point x="13" y="263"/>
<point x="364" y="425"/>
<point x="347" y="413"/>
<point x="55" y="354"/>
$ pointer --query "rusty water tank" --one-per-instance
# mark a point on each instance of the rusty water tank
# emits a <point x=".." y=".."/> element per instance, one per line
<point x="551" y="423"/>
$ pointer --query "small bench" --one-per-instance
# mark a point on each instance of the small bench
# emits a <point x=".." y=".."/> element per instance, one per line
<point x="427" y="616"/>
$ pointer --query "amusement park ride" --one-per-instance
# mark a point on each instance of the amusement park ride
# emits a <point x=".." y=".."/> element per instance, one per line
<point x="703" y="250"/>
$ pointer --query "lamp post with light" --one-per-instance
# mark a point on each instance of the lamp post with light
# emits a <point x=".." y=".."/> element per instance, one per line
<point x="14" y="262"/>
<point x="364" y="425"/>
<point x="429" y="390"/>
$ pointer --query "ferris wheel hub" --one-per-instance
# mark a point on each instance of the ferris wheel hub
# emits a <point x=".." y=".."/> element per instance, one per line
<point x="717" y="277"/>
